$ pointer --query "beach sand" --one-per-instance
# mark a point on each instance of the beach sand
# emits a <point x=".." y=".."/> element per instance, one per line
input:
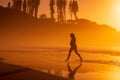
<point x="51" y="65"/>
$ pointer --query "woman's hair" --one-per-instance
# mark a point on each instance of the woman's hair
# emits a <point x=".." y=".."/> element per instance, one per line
<point x="72" y="35"/>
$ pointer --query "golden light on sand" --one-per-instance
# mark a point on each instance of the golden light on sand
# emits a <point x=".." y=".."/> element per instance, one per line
<point x="115" y="74"/>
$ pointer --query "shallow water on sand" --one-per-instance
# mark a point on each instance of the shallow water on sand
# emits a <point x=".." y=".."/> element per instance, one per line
<point x="93" y="67"/>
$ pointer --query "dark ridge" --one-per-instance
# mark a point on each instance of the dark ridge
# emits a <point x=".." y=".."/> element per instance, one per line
<point x="11" y="17"/>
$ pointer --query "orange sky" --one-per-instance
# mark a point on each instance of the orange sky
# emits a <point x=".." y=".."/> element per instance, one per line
<point x="100" y="11"/>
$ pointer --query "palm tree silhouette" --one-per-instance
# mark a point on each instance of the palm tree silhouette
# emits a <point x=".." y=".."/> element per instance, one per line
<point x="70" y="7"/>
<point x="52" y="3"/>
<point x="64" y="9"/>
<point x="61" y="10"/>
<point x="73" y="6"/>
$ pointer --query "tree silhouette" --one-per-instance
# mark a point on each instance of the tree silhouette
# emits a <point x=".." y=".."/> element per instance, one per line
<point x="14" y="4"/>
<point x="9" y="4"/>
<point x="52" y="11"/>
<point x="32" y="7"/>
<point x="70" y="7"/>
<point x="64" y="9"/>
<point x="43" y="16"/>
<point x="35" y="5"/>
<point x="58" y="9"/>
<point x="73" y="6"/>
<point x="19" y="4"/>
<point x="61" y="10"/>
<point x="24" y="6"/>
<point x="29" y="7"/>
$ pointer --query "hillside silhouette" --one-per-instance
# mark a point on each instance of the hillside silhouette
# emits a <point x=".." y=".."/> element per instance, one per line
<point x="14" y="17"/>
<point x="24" y="28"/>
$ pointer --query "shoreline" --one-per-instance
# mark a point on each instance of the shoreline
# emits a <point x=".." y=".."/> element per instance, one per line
<point x="49" y="63"/>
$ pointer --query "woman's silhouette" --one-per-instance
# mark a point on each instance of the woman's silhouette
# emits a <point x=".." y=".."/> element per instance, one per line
<point x="73" y="47"/>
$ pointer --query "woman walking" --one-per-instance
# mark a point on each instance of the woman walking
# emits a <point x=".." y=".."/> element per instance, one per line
<point x="73" y="47"/>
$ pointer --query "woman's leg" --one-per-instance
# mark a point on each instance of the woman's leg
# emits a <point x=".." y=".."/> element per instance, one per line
<point x="71" y="49"/>
<point x="75" y="49"/>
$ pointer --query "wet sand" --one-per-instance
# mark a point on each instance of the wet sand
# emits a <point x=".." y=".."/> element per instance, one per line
<point x="51" y="65"/>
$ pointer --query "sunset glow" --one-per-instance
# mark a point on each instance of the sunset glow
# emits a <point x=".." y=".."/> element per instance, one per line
<point x="116" y="14"/>
<point x="59" y="39"/>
